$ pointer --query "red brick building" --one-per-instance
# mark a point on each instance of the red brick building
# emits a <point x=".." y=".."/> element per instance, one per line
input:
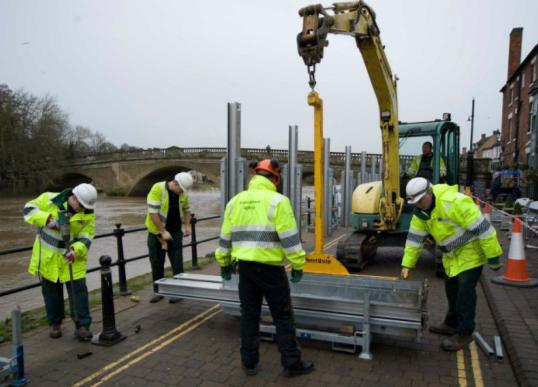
<point x="520" y="101"/>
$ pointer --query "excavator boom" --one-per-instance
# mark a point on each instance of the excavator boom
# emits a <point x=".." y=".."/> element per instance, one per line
<point x="357" y="19"/>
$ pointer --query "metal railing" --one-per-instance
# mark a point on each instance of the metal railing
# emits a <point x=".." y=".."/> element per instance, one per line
<point x="121" y="262"/>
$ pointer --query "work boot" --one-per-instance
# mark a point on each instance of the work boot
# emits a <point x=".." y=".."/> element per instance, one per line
<point x="174" y="300"/>
<point x="443" y="329"/>
<point x="55" y="331"/>
<point x="250" y="371"/>
<point x="302" y="367"/>
<point x="83" y="334"/>
<point x="155" y="298"/>
<point x="456" y="342"/>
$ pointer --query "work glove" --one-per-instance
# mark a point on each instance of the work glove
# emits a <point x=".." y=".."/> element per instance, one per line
<point x="69" y="257"/>
<point x="166" y="236"/>
<point x="52" y="223"/>
<point x="404" y="274"/>
<point x="226" y="272"/>
<point x="495" y="263"/>
<point x="296" y="275"/>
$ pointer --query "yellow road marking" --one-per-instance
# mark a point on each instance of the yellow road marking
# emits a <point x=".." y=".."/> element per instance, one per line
<point x="462" y="378"/>
<point x="152" y="342"/>
<point x="155" y="349"/>
<point x="477" y="373"/>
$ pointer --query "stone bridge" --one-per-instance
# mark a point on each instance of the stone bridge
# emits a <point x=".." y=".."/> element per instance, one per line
<point x="133" y="172"/>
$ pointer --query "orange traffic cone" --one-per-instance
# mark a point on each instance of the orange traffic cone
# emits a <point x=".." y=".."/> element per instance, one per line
<point x="487" y="211"/>
<point x="516" y="268"/>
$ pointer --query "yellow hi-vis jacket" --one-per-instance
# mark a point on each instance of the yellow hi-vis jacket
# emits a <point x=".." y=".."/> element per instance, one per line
<point x="465" y="237"/>
<point x="415" y="166"/>
<point x="47" y="254"/>
<point x="259" y="226"/>
<point x="158" y="200"/>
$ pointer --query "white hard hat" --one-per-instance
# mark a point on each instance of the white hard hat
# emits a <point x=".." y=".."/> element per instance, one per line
<point x="86" y="195"/>
<point x="184" y="179"/>
<point x="416" y="189"/>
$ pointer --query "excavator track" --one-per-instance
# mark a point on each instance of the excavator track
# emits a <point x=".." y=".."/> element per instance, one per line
<point x="355" y="250"/>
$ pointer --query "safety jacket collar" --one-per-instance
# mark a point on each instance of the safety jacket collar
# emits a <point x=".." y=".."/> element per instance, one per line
<point x="425" y="214"/>
<point x="261" y="182"/>
<point x="60" y="200"/>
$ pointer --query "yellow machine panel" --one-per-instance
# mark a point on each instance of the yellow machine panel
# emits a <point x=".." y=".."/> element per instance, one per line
<point x="366" y="198"/>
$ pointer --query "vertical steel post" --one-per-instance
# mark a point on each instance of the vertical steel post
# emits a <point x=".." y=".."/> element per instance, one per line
<point x="345" y="188"/>
<point x="194" y="243"/>
<point x="366" y="336"/>
<point x="122" y="276"/>
<point x="292" y="172"/>
<point x="373" y="165"/>
<point x="363" y="168"/>
<point x="18" y="349"/>
<point x="381" y="171"/>
<point x="308" y="211"/>
<point x="327" y="184"/>
<point x="299" y="195"/>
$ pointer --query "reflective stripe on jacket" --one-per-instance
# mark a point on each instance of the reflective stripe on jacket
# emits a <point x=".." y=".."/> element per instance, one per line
<point x="259" y="225"/>
<point x="158" y="200"/>
<point x="460" y="230"/>
<point x="415" y="166"/>
<point x="47" y="254"/>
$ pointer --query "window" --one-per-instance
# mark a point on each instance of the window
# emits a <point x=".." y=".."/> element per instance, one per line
<point x="533" y="115"/>
<point x="511" y="94"/>
<point x="533" y="70"/>
<point x="510" y="134"/>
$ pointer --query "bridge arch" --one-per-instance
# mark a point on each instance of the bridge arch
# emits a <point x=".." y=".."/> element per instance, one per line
<point x="143" y="183"/>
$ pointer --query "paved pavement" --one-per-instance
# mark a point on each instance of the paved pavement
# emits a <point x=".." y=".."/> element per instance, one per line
<point x="195" y="343"/>
<point x="516" y="314"/>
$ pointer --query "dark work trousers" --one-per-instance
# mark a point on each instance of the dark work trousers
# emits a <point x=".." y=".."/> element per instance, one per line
<point x="53" y="294"/>
<point x="157" y="255"/>
<point x="461" y="295"/>
<point x="256" y="281"/>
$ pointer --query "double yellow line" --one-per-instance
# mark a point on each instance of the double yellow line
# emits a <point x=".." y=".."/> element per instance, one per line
<point x="475" y="365"/>
<point x="146" y="350"/>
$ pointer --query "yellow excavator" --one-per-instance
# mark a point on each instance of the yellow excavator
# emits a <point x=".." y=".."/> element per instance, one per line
<point x="379" y="213"/>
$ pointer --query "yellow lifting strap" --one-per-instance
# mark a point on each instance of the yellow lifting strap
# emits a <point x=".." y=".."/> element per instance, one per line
<point x="317" y="261"/>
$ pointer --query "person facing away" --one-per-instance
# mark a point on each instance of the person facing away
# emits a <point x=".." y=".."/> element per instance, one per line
<point x="258" y="232"/>
<point x="422" y="165"/>
<point x="53" y="259"/>
<point x="467" y="241"/>
<point x="168" y="207"/>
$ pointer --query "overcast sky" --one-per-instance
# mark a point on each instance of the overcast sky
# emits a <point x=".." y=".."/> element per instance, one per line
<point x="159" y="73"/>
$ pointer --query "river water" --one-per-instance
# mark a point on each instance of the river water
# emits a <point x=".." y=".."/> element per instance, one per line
<point x="128" y="211"/>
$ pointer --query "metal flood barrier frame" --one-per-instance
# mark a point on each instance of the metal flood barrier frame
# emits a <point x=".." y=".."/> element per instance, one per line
<point x="340" y="310"/>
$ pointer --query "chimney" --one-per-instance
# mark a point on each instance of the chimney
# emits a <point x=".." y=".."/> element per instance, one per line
<point x="483" y="136"/>
<point x="514" y="50"/>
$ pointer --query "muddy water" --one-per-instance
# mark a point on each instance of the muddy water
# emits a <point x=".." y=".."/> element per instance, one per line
<point x="130" y="212"/>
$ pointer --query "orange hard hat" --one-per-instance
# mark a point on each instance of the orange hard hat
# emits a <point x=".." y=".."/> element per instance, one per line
<point x="269" y="165"/>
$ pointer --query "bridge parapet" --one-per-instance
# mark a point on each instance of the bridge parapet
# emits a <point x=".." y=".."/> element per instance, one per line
<point x="305" y="157"/>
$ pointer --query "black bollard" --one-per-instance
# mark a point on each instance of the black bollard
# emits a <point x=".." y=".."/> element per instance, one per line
<point x="119" y="233"/>
<point x="194" y="243"/>
<point x="110" y="335"/>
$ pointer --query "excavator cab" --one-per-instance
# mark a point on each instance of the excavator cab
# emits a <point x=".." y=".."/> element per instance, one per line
<point x="357" y="248"/>
<point x="444" y="135"/>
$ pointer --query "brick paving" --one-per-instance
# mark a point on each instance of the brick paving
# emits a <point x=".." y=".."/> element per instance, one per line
<point x="516" y="314"/>
<point x="209" y="354"/>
